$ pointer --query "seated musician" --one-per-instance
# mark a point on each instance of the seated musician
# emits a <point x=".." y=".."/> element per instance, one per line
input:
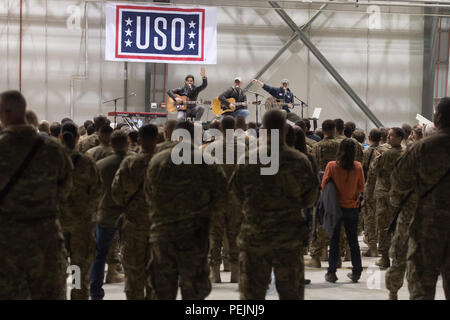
<point x="236" y="92"/>
<point x="190" y="91"/>
<point x="284" y="94"/>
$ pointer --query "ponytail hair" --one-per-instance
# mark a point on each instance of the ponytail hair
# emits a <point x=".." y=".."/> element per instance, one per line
<point x="69" y="134"/>
<point x="346" y="154"/>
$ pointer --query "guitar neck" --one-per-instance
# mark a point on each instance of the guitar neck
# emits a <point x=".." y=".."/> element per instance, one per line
<point x="287" y="103"/>
<point x="192" y="102"/>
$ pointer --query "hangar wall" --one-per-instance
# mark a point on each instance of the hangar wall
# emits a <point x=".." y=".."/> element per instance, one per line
<point x="64" y="72"/>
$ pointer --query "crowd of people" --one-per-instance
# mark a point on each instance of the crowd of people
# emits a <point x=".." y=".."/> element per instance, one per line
<point x="92" y="196"/>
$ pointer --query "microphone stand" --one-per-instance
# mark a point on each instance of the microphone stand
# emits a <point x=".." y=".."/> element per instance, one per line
<point x="303" y="105"/>
<point x="115" y="105"/>
<point x="257" y="103"/>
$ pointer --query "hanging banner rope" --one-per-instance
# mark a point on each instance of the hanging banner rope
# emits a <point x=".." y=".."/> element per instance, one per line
<point x="157" y="33"/>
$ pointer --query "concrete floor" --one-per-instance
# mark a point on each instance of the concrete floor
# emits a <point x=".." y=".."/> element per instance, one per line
<point x="370" y="287"/>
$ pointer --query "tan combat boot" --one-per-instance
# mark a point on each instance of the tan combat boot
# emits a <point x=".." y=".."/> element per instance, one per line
<point x="226" y="265"/>
<point x="384" y="262"/>
<point x="234" y="273"/>
<point x="366" y="241"/>
<point x="393" y="296"/>
<point x="313" y="263"/>
<point x="214" y="275"/>
<point x="347" y="256"/>
<point x="112" y="276"/>
<point x="339" y="263"/>
<point x="324" y="255"/>
<point x="371" y="252"/>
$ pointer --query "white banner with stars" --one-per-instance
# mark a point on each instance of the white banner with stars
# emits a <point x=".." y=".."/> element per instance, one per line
<point x="161" y="33"/>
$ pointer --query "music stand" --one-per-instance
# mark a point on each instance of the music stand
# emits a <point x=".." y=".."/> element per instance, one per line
<point x="115" y="104"/>
<point x="316" y="116"/>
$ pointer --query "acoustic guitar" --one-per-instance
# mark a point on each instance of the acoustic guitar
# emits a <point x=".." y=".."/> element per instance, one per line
<point x="273" y="103"/>
<point x="173" y="106"/>
<point x="220" y="108"/>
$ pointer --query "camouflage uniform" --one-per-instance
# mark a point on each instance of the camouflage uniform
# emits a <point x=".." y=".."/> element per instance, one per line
<point x="99" y="152"/>
<point x="183" y="198"/>
<point x="368" y="209"/>
<point x="31" y="242"/>
<point x="310" y="142"/>
<point x="164" y="145"/>
<point x="84" y="136"/>
<point x="309" y="212"/>
<point x="324" y="151"/>
<point x="421" y="168"/>
<point x="359" y="151"/>
<point x="226" y="223"/>
<point x="382" y="169"/>
<point x="128" y="186"/>
<point x="399" y="246"/>
<point x="274" y="229"/>
<point x="134" y="148"/>
<point x="228" y="220"/>
<point x="369" y="198"/>
<point x="89" y="142"/>
<point x="384" y="147"/>
<point x="78" y="218"/>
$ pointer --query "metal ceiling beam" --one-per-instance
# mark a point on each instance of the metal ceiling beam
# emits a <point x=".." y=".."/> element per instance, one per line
<point x="291" y="40"/>
<point x="314" y="16"/>
<point x="316" y="52"/>
<point x="266" y="67"/>
<point x="294" y="4"/>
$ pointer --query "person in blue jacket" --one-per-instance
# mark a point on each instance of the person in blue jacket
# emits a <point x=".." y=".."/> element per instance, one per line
<point x="282" y="93"/>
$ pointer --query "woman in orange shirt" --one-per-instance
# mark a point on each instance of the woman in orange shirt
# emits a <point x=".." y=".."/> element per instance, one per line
<point x="348" y="176"/>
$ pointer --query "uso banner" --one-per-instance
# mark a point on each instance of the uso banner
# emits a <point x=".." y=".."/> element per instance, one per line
<point x="155" y="33"/>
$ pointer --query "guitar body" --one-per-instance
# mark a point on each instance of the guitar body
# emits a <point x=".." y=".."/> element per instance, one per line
<point x="272" y="103"/>
<point x="217" y="106"/>
<point x="172" y="106"/>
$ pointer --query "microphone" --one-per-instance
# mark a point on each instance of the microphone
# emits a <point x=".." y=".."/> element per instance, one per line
<point x="304" y="103"/>
<point x="190" y="86"/>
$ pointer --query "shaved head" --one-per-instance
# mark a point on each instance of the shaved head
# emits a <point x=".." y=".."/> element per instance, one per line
<point x="12" y="108"/>
<point x="275" y="120"/>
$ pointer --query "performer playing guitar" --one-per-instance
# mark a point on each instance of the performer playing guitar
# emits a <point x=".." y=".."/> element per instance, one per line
<point x="282" y="93"/>
<point x="235" y="91"/>
<point x="190" y="91"/>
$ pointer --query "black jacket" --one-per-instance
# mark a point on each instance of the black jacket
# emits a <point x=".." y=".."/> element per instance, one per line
<point x="329" y="208"/>
<point x="238" y="96"/>
<point x="280" y="93"/>
<point x="192" y="94"/>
